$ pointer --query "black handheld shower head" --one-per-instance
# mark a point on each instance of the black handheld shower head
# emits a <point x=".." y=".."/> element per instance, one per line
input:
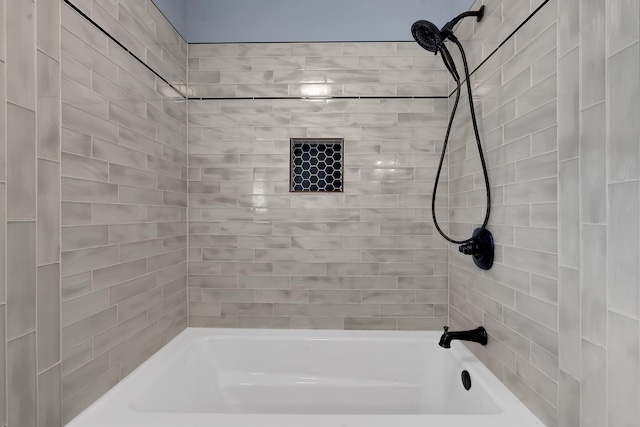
<point x="427" y="35"/>
<point x="431" y="38"/>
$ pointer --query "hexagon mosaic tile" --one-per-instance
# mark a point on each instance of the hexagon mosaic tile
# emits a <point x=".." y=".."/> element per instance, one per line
<point x="316" y="165"/>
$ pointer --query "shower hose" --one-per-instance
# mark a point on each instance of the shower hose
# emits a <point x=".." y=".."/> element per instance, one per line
<point x="449" y="63"/>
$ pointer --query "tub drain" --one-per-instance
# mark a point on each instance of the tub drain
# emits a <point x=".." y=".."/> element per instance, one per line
<point x="466" y="379"/>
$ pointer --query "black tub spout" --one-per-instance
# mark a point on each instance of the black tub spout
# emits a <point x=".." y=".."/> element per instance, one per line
<point x="478" y="335"/>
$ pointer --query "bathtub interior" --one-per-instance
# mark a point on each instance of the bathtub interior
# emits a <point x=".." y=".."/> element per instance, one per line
<point x="286" y="375"/>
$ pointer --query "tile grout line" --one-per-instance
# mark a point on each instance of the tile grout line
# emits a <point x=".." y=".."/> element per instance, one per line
<point x="187" y="210"/>
<point x="4" y="226"/>
<point x="35" y="162"/>
<point x="59" y="401"/>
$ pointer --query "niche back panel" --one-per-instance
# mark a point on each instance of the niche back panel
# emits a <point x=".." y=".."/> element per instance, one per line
<point x="317" y="165"/>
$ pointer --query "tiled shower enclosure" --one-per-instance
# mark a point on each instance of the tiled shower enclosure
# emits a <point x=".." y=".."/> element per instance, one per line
<point x="128" y="212"/>
<point x="366" y="258"/>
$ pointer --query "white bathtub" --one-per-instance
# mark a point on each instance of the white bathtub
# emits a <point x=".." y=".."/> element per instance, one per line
<point x="282" y="378"/>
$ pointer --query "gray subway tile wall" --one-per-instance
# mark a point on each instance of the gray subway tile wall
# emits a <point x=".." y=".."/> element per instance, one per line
<point x="263" y="257"/>
<point x="54" y="316"/>
<point x="123" y="161"/>
<point x="566" y="213"/>
<point x="29" y="259"/>
<point x="522" y="298"/>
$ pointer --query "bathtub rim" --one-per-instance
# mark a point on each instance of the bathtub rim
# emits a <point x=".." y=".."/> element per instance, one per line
<point x="513" y="410"/>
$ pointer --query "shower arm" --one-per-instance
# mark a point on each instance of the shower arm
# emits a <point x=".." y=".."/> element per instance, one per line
<point x="448" y="27"/>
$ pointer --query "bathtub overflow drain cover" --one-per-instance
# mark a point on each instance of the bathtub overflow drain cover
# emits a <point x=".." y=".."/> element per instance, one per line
<point x="466" y="379"/>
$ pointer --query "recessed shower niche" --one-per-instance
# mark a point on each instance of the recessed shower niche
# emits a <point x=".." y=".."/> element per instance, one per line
<point x="317" y="165"/>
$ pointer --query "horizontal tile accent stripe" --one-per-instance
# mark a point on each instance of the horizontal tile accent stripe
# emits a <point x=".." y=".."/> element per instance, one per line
<point x="502" y="43"/>
<point x="315" y="97"/>
<point x="512" y="34"/>
<point x="95" y="24"/>
<point x="116" y="41"/>
<point x="303" y="41"/>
